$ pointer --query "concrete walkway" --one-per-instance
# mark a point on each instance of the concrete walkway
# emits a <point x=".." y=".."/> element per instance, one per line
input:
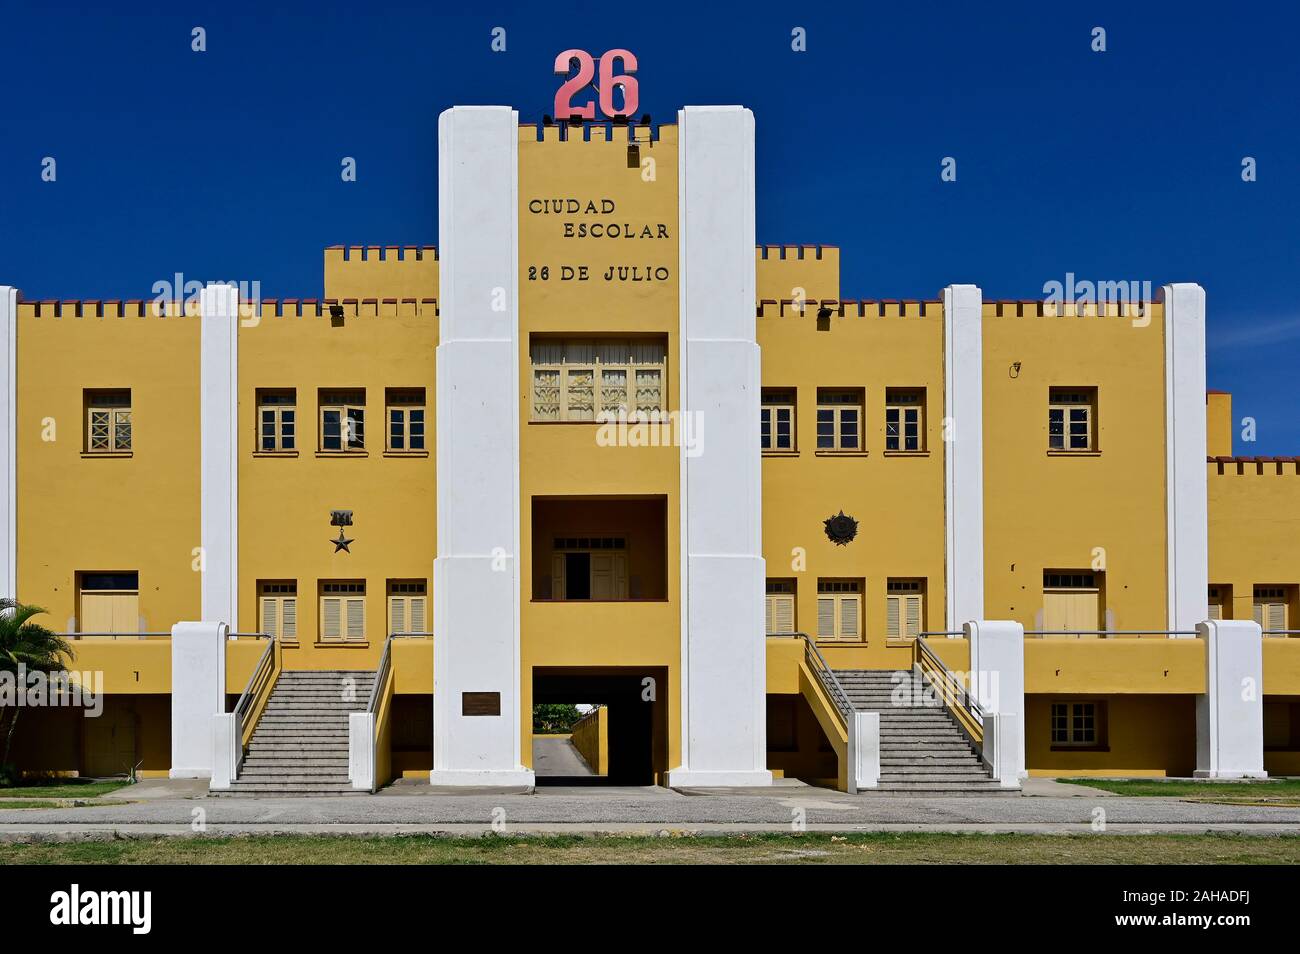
<point x="556" y="755"/>
<point x="172" y="808"/>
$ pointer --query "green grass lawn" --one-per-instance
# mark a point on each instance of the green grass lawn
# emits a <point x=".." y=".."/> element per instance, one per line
<point x="1279" y="792"/>
<point x="61" y="789"/>
<point x="878" y="848"/>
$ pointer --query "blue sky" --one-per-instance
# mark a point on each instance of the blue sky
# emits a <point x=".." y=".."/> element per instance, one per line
<point x="1117" y="165"/>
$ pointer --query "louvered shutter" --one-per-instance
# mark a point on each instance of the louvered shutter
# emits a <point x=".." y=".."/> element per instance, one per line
<point x="892" y="617"/>
<point x="1259" y="615"/>
<point x="1276" y="616"/>
<point x="270" y="618"/>
<point x="1216" y="611"/>
<point x="417" y="615"/>
<point x="768" y="625"/>
<point x="331" y="618"/>
<point x="913" y="615"/>
<point x="825" y="617"/>
<point x="396" y="614"/>
<point x="849" y="618"/>
<point x="289" y="618"/>
<point x="356" y="610"/>
<point x="782" y="610"/>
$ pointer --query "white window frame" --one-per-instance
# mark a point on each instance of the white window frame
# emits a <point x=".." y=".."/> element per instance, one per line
<point x="284" y="433"/>
<point x="402" y="403"/>
<point x="833" y="403"/>
<point x="905" y="414"/>
<point x="778" y="404"/>
<point x="1076" y="406"/>
<point x="114" y="406"/>
<point x="352" y="420"/>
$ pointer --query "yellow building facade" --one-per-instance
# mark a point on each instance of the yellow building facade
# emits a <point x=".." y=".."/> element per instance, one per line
<point x="576" y="452"/>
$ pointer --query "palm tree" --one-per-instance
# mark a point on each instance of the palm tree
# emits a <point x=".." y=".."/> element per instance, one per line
<point x="29" y="644"/>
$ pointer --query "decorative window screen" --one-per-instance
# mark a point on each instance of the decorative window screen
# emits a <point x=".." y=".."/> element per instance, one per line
<point x="595" y="379"/>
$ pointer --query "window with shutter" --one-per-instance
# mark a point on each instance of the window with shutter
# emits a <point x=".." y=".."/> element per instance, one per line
<point x="109" y="602"/>
<point x="904" y="608"/>
<point x="1072" y="601"/>
<point x="839" y="609"/>
<point x="406" y="606"/>
<point x="1271" y="608"/>
<point x="779" y="607"/>
<point x="278" y="609"/>
<point x="343" y="611"/>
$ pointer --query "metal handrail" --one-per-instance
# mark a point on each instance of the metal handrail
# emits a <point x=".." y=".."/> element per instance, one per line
<point x="950" y="632"/>
<point x="825" y="675"/>
<point x="381" y="674"/>
<point x="117" y="635"/>
<point x="1281" y="632"/>
<point x="951" y="684"/>
<point x="1103" y="633"/>
<point x="265" y="664"/>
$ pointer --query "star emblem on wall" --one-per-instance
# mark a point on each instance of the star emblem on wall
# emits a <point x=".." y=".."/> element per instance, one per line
<point x="341" y="542"/>
<point x="841" y="529"/>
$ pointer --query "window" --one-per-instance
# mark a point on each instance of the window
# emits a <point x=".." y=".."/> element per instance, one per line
<point x="1218" y="597"/>
<point x="276" y="421"/>
<point x="343" y="611"/>
<point x="108" y="422"/>
<point x="589" y="568"/>
<point x="596" y="379"/>
<point x="277" y="609"/>
<point x="778" y="420"/>
<point x="904" y="608"/>
<point x="839" y="419"/>
<point x="405" y="419"/>
<point x="780" y="606"/>
<point x="1071" y="601"/>
<point x="905" y="419"/>
<point x="1271" y="607"/>
<point x="1070" y="416"/>
<point x="343" y="421"/>
<point x="1078" y="724"/>
<point x="839" y="609"/>
<point x="109" y="602"/>
<point x="407" y="606"/>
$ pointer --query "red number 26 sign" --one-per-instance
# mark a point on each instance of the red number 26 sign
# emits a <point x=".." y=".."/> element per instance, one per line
<point x="564" y="108"/>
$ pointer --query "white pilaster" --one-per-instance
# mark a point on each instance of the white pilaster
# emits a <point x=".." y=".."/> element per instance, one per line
<point x="198" y="694"/>
<point x="476" y="573"/>
<point x="219" y="452"/>
<point x="1186" y="508"/>
<point x="1230" y="716"/>
<point x="963" y="453"/>
<point x="997" y="662"/>
<point x="8" y="441"/>
<point x="724" y="652"/>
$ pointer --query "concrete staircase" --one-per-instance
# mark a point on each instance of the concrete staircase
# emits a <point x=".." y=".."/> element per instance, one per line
<point x="300" y="744"/>
<point x="922" y="750"/>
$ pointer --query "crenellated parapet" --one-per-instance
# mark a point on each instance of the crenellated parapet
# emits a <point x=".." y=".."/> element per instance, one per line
<point x="376" y="271"/>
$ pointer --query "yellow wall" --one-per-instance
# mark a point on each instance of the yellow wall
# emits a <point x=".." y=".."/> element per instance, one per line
<point x="896" y="497"/>
<point x="565" y="459"/>
<point x="591" y="739"/>
<point x="384" y="273"/>
<point x="1254" y="526"/>
<point x="78" y="512"/>
<point x="1044" y="511"/>
<point x="285" y="501"/>
<point x="1218" y="424"/>
<point x="1146" y="736"/>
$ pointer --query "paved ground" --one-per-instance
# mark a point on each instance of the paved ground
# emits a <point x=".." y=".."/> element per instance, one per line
<point x="162" y="807"/>
<point x="557" y="756"/>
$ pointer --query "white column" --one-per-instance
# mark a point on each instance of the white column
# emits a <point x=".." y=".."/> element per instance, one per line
<point x="997" y="662"/>
<point x="864" y="751"/>
<point x="219" y="452"/>
<point x="8" y="441"/>
<point x="1186" y="508"/>
<point x="476" y="573"/>
<point x="1230" y="716"/>
<point x="724" y="652"/>
<point x="963" y="453"/>
<point x="198" y="694"/>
